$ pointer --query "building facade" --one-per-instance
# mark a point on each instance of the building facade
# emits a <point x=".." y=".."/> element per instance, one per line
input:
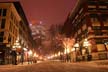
<point x="88" y="23"/>
<point x="15" y="34"/>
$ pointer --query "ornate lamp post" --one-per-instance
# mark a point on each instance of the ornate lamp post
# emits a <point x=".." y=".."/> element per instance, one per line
<point x="15" y="47"/>
<point x="30" y="54"/>
<point x="86" y="44"/>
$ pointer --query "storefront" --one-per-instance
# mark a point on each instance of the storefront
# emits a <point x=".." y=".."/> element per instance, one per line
<point x="5" y="56"/>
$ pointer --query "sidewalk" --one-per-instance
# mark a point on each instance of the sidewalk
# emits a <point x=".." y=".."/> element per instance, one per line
<point x="19" y="64"/>
<point x="24" y="63"/>
<point x="97" y="62"/>
<point x="101" y="62"/>
<point x="11" y="65"/>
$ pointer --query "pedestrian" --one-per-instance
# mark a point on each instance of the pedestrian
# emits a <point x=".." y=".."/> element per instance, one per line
<point x="14" y="57"/>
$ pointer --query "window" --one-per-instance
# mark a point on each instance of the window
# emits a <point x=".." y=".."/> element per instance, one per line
<point x="98" y="32"/>
<point x="104" y="18"/>
<point x="1" y="34"/>
<point x="4" y="12"/>
<point x="76" y="34"/>
<point x="85" y="32"/>
<point x="101" y="47"/>
<point x="101" y="2"/>
<point x="99" y="41"/>
<point x="105" y="28"/>
<point x="92" y="6"/>
<point x="1" y="39"/>
<point x="91" y="9"/>
<point x="79" y="31"/>
<point x="3" y="23"/>
<point x="9" y="38"/>
<point x="0" y="22"/>
<point x="102" y="7"/>
<point x="93" y="15"/>
<point x="92" y="2"/>
<point x="84" y="27"/>
<point x="95" y="20"/>
<point x="0" y="12"/>
<point x="96" y="27"/>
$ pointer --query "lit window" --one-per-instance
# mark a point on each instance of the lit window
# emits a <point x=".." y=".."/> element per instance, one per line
<point x="91" y="6"/>
<point x="101" y="47"/>
<point x="94" y="19"/>
<point x="102" y="6"/>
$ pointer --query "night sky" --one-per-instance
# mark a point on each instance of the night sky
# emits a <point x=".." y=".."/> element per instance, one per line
<point x="47" y="11"/>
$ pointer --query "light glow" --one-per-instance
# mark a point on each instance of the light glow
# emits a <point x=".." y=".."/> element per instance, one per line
<point x="86" y="43"/>
<point x="30" y="52"/>
<point x="24" y="49"/>
<point x="73" y="49"/>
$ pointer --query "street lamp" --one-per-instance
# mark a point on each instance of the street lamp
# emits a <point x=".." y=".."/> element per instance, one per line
<point x="30" y="53"/>
<point x="30" y="56"/>
<point x="15" y="49"/>
<point x="86" y="44"/>
<point x="68" y="43"/>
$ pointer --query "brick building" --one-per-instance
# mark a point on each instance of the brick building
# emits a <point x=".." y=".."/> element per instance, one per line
<point x="89" y="20"/>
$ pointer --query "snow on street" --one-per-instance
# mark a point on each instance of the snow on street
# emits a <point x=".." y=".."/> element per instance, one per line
<point x="55" y="67"/>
